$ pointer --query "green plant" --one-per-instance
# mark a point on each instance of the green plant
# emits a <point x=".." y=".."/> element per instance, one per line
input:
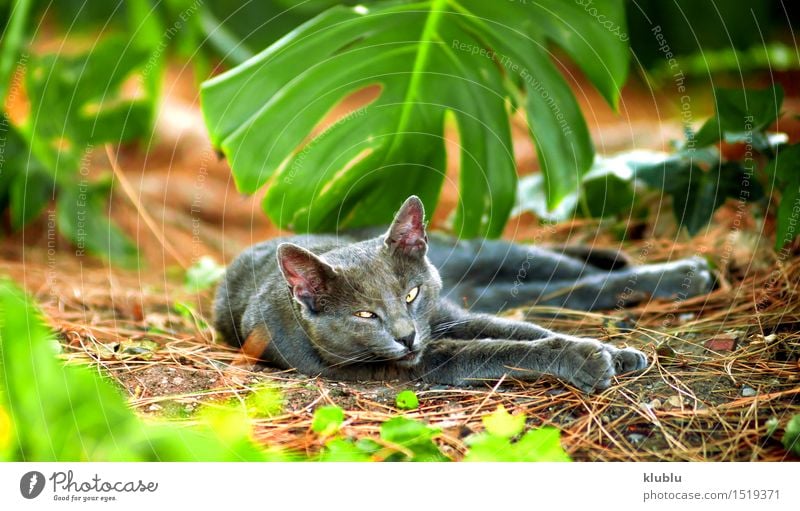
<point x="81" y="100"/>
<point x="404" y="439"/>
<point x="327" y="420"/>
<point x="203" y="274"/>
<point x="791" y="435"/>
<point x="495" y="444"/>
<point x="697" y="176"/>
<point x="467" y="64"/>
<point x="49" y="412"/>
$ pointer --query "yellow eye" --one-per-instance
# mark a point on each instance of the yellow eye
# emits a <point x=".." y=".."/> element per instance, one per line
<point x="366" y="314"/>
<point x="412" y="295"/>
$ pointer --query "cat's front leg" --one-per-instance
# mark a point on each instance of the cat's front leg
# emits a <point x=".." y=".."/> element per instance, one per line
<point x="586" y="363"/>
<point x="452" y="322"/>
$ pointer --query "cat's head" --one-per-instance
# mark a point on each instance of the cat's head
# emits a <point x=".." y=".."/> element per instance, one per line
<point x="369" y="301"/>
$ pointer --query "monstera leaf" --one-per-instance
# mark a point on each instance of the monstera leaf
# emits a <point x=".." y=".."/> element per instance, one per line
<point x="469" y="63"/>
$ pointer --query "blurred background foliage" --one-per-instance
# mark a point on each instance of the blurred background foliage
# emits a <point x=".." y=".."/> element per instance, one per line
<point x="103" y="85"/>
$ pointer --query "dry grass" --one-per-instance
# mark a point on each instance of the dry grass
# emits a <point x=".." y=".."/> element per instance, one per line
<point x="691" y="403"/>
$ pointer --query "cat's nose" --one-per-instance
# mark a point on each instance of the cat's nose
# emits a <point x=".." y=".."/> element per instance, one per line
<point x="407" y="340"/>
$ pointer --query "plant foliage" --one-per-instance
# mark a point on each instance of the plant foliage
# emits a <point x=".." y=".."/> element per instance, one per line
<point x="470" y="61"/>
<point x="697" y="176"/>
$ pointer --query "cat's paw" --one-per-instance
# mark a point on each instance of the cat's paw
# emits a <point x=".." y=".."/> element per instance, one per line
<point x="590" y="365"/>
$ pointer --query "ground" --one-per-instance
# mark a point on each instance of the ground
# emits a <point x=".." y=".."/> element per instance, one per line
<point x="722" y="365"/>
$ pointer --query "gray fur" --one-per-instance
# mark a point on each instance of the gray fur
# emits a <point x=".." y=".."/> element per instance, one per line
<point x="305" y="291"/>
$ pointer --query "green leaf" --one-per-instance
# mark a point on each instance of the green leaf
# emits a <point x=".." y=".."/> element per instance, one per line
<point x="486" y="447"/>
<point x="741" y="111"/>
<point x="77" y="102"/>
<point x="697" y="193"/>
<point x="543" y="444"/>
<point x="264" y="401"/>
<point x="429" y="61"/>
<point x="788" y="215"/>
<point x="414" y="436"/>
<point x="407" y="400"/>
<point x="791" y="435"/>
<point x="503" y="424"/>
<point x="327" y="420"/>
<point x="30" y="192"/>
<point x="82" y="217"/>
<point x="607" y="191"/>
<point x="340" y="450"/>
<point x="203" y="274"/>
<point x="785" y="166"/>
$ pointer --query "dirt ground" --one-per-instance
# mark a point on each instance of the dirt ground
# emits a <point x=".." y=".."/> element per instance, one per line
<point x="722" y="365"/>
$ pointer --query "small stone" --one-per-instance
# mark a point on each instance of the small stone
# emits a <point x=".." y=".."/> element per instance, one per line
<point x="748" y="391"/>
<point x="605" y="418"/>
<point x="635" y="438"/>
<point x="666" y="351"/>
<point x="675" y="401"/>
<point x="655" y="403"/>
<point x="154" y="407"/>
<point x="164" y="380"/>
<point x="177" y="380"/>
<point x="687" y="316"/>
<point x="722" y="342"/>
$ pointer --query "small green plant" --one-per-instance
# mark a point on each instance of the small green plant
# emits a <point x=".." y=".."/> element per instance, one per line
<point x="791" y="435"/>
<point x="407" y="400"/>
<point x="497" y="442"/>
<point x="327" y="420"/>
<point x="404" y="439"/>
<point x="204" y="274"/>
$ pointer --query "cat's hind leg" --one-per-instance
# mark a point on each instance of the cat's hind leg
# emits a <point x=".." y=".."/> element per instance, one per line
<point x="679" y="280"/>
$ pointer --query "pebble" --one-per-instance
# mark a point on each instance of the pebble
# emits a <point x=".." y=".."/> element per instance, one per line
<point x="748" y="391"/>
<point x="675" y="401"/>
<point x="154" y="407"/>
<point x="635" y="438"/>
<point x="177" y="380"/>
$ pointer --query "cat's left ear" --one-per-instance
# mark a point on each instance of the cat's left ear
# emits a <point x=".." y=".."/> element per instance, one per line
<point x="407" y="234"/>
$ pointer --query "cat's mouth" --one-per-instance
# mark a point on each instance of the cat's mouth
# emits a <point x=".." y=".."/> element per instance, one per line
<point x="409" y="359"/>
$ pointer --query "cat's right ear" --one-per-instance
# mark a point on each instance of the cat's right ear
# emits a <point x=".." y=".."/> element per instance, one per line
<point x="407" y="234"/>
<point x="308" y="276"/>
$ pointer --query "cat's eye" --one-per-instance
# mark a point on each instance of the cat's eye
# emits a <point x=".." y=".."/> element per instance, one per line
<point x="366" y="314"/>
<point x="412" y="295"/>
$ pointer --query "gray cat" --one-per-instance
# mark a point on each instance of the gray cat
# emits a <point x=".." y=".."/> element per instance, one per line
<point x="378" y="308"/>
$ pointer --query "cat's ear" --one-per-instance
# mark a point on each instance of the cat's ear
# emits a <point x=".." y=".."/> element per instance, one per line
<point x="407" y="235"/>
<point x="308" y="276"/>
